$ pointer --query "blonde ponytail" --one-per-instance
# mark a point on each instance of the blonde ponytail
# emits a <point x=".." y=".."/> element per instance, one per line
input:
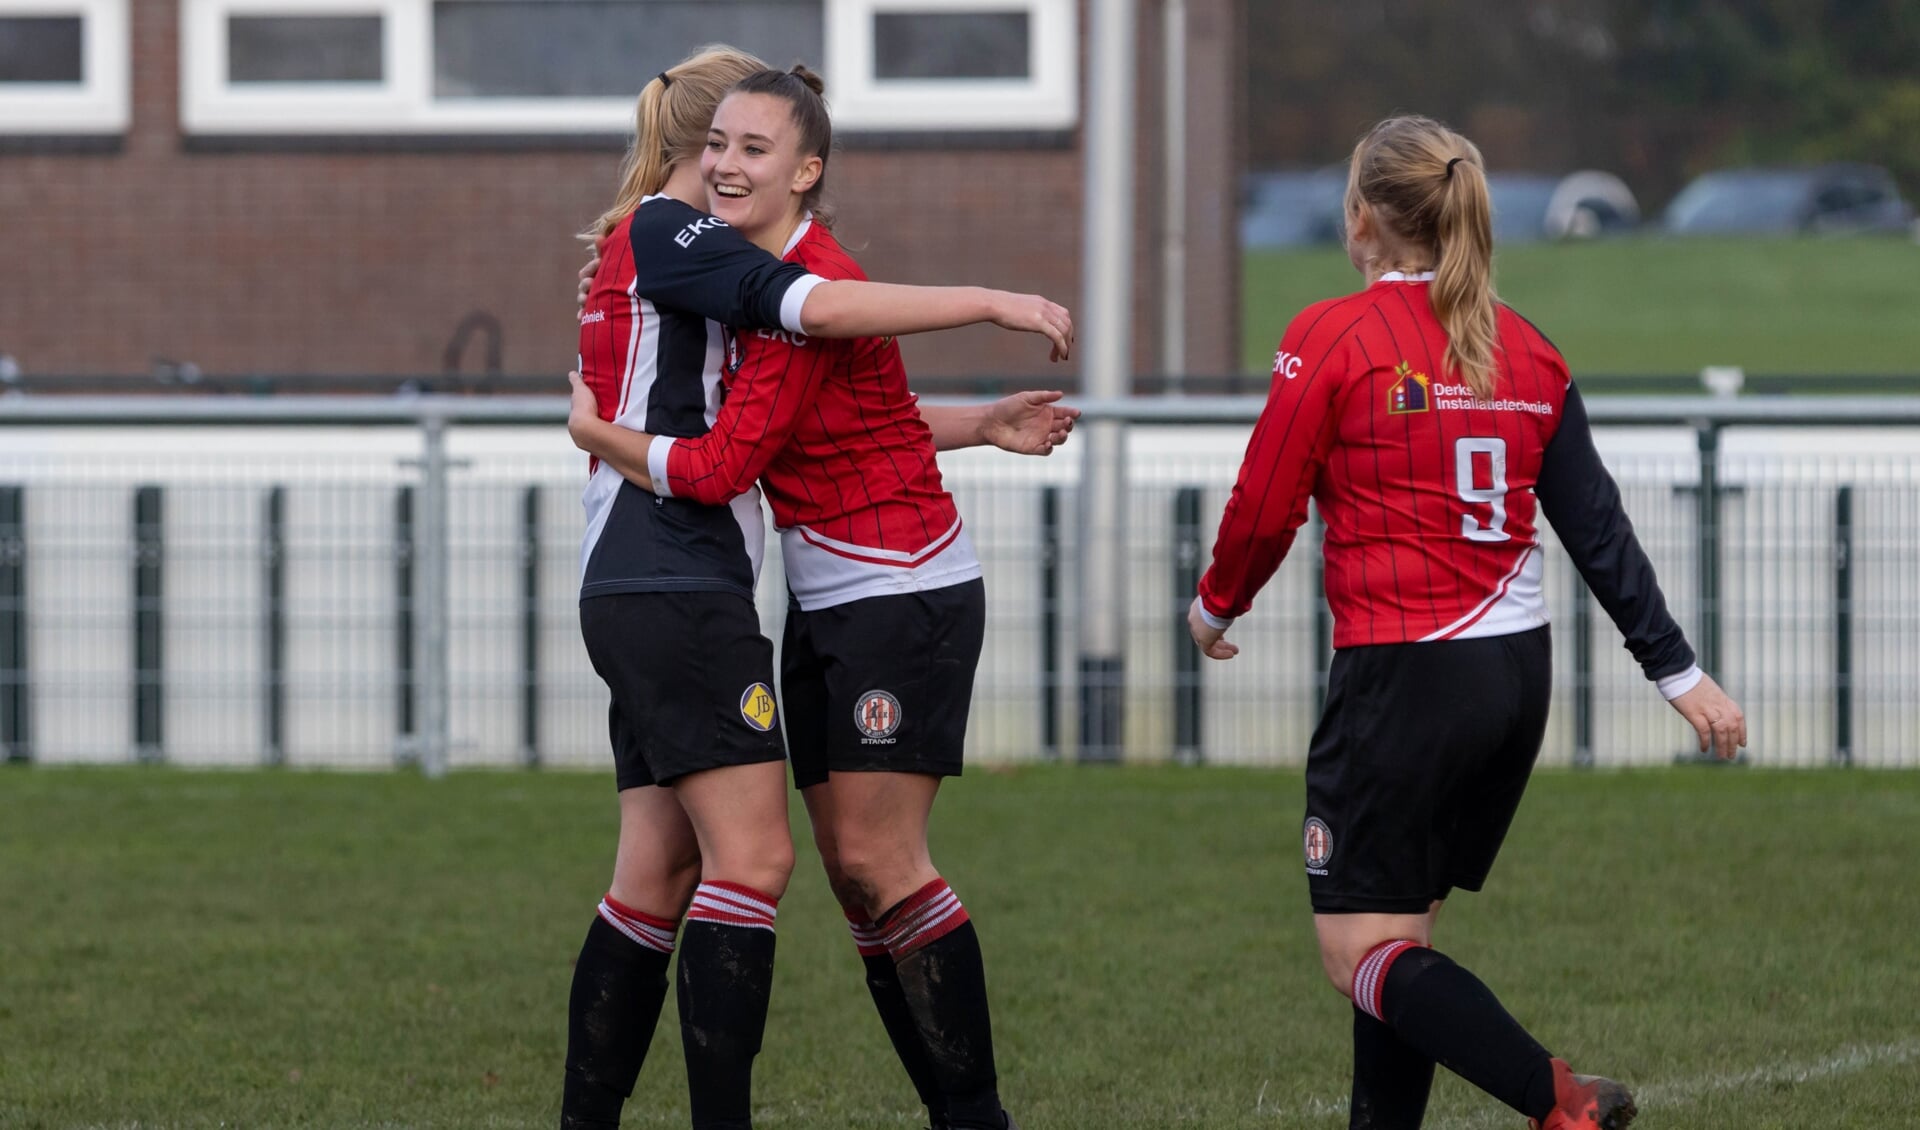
<point x="670" y="124"/>
<point x="1462" y="292"/>
<point x="1428" y="186"/>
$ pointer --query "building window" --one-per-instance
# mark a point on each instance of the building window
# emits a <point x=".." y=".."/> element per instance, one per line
<point x="953" y="64"/>
<point x="63" y="66"/>
<point x="952" y="45"/>
<point x="316" y="49"/>
<point x="575" y="66"/>
<point x="540" y="49"/>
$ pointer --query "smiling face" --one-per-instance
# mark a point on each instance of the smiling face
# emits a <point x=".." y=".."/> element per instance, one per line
<point x="756" y="176"/>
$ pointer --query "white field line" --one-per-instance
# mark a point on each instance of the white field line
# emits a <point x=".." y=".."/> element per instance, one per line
<point x="1850" y="1060"/>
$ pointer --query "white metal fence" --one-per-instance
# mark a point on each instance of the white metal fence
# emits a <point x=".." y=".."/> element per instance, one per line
<point x="364" y="582"/>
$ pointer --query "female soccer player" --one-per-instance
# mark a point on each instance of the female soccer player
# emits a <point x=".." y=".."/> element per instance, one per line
<point x="888" y="606"/>
<point x="667" y="612"/>
<point x="1429" y="422"/>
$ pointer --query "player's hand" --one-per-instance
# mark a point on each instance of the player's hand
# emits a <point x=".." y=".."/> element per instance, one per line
<point x="1029" y="423"/>
<point x="586" y="275"/>
<point x="1030" y="313"/>
<point x="582" y="412"/>
<point x="1718" y="719"/>
<point x="1208" y="637"/>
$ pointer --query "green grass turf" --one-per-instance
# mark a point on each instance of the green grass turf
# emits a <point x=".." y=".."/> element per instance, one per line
<point x="187" y="949"/>
<point x="1631" y="306"/>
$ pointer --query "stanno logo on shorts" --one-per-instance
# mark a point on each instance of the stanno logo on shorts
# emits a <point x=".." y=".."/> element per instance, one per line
<point x="877" y="714"/>
<point x="756" y="706"/>
<point x="1318" y="841"/>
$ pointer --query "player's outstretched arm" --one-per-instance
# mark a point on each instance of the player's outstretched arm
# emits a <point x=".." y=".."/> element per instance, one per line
<point x="851" y="308"/>
<point x="1718" y="719"/>
<point x="623" y="449"/>
<point x="843" y="308"/>
<point x="1025" y="423"/>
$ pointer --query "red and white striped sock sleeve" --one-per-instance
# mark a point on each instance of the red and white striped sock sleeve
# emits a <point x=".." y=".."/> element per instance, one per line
<point x="733" y="904"/>
<point x="648" y="930"/>
<point x="867" y="937"/>
<point x="927" y="915"/>
<point x="1370" y="976"/>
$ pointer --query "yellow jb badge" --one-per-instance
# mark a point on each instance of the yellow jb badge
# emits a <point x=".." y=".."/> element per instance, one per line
<point x="756" y="706"/>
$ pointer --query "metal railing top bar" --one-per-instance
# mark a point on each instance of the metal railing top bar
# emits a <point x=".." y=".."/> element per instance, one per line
<point x="1664" y="411"/>
<point x="311" y="411"/>
<point x="111" y="411"/>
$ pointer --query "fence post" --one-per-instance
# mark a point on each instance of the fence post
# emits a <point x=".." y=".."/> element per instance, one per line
<point x="1050" y="622"/>
<point x="1707" y="504"/>
<point x="1101" y="585"/>
<point x="1186" y="657"/>
<point x="15" y="742"/>
<point x="1843" y="625"/>
<point x="404" y="554"/>
<point x="530" y="627"/>
<point x="1582" y="672"/>
<point x="274" y="561"/>
<point x="149" y="659"/>
<point x="432" y="590"/>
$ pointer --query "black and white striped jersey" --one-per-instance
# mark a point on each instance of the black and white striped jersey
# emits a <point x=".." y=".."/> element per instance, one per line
<point x="652" y="351"/>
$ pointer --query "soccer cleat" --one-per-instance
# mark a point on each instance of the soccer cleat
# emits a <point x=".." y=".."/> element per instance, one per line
<point x="1586" y="1102"/>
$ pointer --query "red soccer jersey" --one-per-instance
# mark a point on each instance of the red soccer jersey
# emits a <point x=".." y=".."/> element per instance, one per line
<point x="836" y="439"/>
<point x="1427" y="493"/>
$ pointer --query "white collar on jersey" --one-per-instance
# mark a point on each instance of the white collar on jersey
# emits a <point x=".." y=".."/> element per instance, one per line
<point x="799" y="233"/>
<point x="1402" y="276"/>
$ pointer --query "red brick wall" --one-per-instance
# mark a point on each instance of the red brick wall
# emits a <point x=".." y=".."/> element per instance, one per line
<point x="365" y="262"/>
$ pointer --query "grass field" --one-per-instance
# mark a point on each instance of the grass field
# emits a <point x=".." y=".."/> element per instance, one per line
<point x="265" y="949"/>
<point x="1813" y="306"/>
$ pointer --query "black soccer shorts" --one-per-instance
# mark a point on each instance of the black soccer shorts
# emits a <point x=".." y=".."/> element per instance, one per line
<point x="882" y="684"/>
<point x="692" y="683"/>
<point x="1417" y="767"/>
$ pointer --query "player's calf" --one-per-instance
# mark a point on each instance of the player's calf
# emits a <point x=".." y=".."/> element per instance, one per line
<point x="619" y="986"/>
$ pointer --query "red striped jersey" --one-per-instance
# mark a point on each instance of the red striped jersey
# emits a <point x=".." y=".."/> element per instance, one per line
<point x="835" y="437"/>
<point x="651" y="350"/>
<point x="1426" y="491"/>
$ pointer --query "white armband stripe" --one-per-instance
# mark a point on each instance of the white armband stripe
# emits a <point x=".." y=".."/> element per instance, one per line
<point x="795" y="298"/>
<point x="657" y="452"/>
<point x="1218" y="623"/>
<point x="1673" y="686"/>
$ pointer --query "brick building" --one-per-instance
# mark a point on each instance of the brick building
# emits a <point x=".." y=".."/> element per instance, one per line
<point x="337" y="186"/>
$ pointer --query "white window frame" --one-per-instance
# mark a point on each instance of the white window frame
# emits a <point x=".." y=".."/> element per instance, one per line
<point x="1048" y="99"/>
<point x="100" y="104"/>
<point x="403" y="102"/>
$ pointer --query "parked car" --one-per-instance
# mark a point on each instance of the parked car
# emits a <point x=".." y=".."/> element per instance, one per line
<point x="1833" y="198"/>
<point x="1582" y="205"/>
<point x="1292" y="207"/>
<point x="1295" y="208"/>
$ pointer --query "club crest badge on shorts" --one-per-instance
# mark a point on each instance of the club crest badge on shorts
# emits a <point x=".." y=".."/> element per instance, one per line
<point x="757" y="707"/>
<point x="877" y="715"/>
<point x="1317" y="839"/>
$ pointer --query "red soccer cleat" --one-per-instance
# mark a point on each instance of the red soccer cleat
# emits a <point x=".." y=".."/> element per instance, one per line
<point x="1586" y="1102"/>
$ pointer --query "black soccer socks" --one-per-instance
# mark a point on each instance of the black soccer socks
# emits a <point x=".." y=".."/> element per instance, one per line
<point x="1447" y="1014"/>
<point x="937" y="956"/>
<point x="619" y="985"/>
<point x="726" y="979"/>
<point x="1391" y="1079"/>
<point x="883" y="982"/>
